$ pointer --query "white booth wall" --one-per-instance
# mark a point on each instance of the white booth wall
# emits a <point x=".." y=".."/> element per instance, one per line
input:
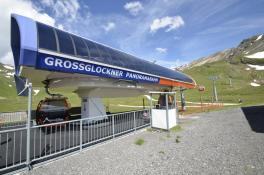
<point x="159" y="119"/>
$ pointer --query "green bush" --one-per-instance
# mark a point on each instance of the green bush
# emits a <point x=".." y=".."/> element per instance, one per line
<point x="139" y="141"/>
<point x="176" y="128"/>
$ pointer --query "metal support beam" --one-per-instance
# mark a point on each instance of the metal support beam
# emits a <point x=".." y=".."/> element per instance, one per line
<point x="214" y="78"/>
<point x="150" y="110"/>
<point x="135" y="124"/>
<point x="230" y="82"/>
<point x="28" y="162"/>
<point x="81" y="133"/>
<point x="215" y="92"/>
<point x="182" y="100"/>
<point x="113" y="125"/>
<point x="176" y="108"/>
<point x="167" y="112"/>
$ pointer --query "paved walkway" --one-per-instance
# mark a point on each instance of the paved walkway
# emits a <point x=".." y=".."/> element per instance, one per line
<point x="223" y="142"/>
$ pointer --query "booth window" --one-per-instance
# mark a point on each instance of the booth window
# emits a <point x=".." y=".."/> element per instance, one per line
<point x="81" y="49"/>
<point x="94" y="53"/>
<point x="65" y="42"/>
<point x="46" y="37"/>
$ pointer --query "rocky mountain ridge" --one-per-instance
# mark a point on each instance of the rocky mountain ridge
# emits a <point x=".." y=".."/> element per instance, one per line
<point x="247" y="47"/>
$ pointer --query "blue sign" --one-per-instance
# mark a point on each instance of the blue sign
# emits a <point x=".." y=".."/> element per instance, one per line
<point x="60" y="64"/>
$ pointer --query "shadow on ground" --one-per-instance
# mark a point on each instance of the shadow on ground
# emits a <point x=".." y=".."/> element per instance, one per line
<point x="255" y="117"/>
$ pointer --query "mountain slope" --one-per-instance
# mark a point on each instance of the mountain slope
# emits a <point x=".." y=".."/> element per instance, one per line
<point x="241" y="78"/>
<point x="239" y="65"/>
<point x="6" y="81"/>
<point x="241" y="53"/>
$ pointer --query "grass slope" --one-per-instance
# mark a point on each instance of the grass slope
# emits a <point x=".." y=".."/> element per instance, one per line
<point x="9" y="101"/>
<point x="241" y="89"/>
<point x="240" y="77"/>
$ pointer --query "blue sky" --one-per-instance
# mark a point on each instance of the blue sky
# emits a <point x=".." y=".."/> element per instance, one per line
<point x="172" y="32"/>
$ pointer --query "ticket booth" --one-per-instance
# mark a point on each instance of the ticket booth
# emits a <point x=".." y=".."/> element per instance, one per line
<point x="164" y="114"/>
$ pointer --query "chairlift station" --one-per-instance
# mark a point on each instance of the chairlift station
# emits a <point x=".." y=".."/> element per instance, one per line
<point x="45" y="56"/>
<point x="49" y="57"/>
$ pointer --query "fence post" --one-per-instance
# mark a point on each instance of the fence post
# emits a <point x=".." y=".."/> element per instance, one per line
<point x="29" y="124"/>
<point x="135" y="126"/>
<point x="150" y="111"/>
<point x="176" y="108"/>
<point x="81" y="133"/>
<point x="167" y="112"/>
<point x="113" y="126"/>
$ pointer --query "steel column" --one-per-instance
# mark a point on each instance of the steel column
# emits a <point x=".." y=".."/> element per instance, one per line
<point x="150" y="110"/>
<point x="183" y="104"/>
<point x="135" y="124"/>
<point x="29" y="124"/>
<point x="81" y="134"/>
<point x="167" y="112"/>
<point x="215" y="92"/>
<point x="113" y="126"/>
<point x="176" y="108"/>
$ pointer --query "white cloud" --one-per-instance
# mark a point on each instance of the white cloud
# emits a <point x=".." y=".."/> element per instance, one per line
<point x="25" y="8"/>
<point x="177" y="37"/>
<point x="60" y="26"/>
<point x="64" y="8"/>
<point x="170" y="64"/>
<point x="47" y="2"/>
<point x="7" y="58"/>
<point x="161" y="50"/>
<point x="171" y="23"/>
<point x="133" y="7"/>
<point x="109" y="26"/>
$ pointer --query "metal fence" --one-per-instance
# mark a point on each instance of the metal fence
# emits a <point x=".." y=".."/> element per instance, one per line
<point x="10" y="119"/>
<point x="52" y="140"/>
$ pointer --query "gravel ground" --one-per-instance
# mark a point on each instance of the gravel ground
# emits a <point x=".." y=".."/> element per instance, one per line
<point x="210" y="143"/>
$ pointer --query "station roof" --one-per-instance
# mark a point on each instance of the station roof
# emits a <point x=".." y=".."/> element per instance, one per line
<point x="30" y="38"/>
